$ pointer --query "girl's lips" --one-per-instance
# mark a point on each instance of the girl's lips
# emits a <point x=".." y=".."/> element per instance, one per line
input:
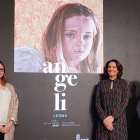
<point x="79" y="52"/>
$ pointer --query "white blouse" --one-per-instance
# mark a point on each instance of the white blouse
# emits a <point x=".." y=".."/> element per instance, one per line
<point x="5" y="97"/>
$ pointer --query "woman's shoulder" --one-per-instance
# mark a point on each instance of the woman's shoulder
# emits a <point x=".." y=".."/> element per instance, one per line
<point x="103" y="81"/>
<point x="10" y="87"/>
<point x="123" y="81"/>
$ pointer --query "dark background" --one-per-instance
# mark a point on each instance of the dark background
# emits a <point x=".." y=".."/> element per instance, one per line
<point x="35" y="91"/>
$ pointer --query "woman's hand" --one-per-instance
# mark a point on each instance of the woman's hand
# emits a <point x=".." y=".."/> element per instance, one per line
<point x="1" y="128"/>
<point x="108" y="122"/>
<point x="110" y="128"/>
<point x="7" y="127"/>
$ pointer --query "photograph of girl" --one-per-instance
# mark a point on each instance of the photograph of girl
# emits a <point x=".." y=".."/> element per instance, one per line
<point x="71" y="44"/>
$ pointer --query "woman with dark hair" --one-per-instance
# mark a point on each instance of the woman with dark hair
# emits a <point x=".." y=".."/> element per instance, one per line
<point x="73" y="38"/>
<point x="8" y="107"/>
<point x="111" y="101"/>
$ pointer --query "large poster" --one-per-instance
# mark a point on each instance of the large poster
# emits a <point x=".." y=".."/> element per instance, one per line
<point x="58" y="36"/>
<point x="63" y="37"/>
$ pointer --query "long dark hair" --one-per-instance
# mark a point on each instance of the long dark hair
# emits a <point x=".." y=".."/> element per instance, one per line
<point x="4" y="77"/>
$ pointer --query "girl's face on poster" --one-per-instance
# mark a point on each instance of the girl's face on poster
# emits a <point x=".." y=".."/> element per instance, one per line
<point x="78" y="34"/>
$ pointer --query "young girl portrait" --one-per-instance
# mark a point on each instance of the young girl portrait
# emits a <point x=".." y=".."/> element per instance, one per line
<point x="74" y="38"/>
<point x="71" y="43"/>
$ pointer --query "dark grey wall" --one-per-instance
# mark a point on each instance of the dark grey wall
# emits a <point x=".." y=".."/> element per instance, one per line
<point x="35" y="91"/>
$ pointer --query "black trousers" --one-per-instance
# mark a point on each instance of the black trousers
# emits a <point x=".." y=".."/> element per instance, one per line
<point x="1" y="136"/>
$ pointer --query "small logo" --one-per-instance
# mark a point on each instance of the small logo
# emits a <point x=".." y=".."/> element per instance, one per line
<point x="78" y="137"/>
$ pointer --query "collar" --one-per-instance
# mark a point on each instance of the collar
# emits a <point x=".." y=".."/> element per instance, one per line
<point x="113" y="80"/>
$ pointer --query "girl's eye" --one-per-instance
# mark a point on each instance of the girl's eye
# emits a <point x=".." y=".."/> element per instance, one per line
<point x="87" y="37"/>
<point x="70" y="35"/>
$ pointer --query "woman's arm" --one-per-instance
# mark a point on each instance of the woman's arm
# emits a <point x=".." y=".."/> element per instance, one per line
<point x="13" y="109"/>
<point x="100" y="111"/>
<point x="125" y="99"/>
<point x="14" y="114"/>
<point x="13" y="105"/>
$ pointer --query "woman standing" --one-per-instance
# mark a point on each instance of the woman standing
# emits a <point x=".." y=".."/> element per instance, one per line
<point x="8" y="107"/>
<point x="111" y="100"/>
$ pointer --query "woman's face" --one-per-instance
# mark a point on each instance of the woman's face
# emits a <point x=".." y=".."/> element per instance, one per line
<point x="112" y="69"/>
<point x="78" y="34"/>
<point x="1" y="71"/>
